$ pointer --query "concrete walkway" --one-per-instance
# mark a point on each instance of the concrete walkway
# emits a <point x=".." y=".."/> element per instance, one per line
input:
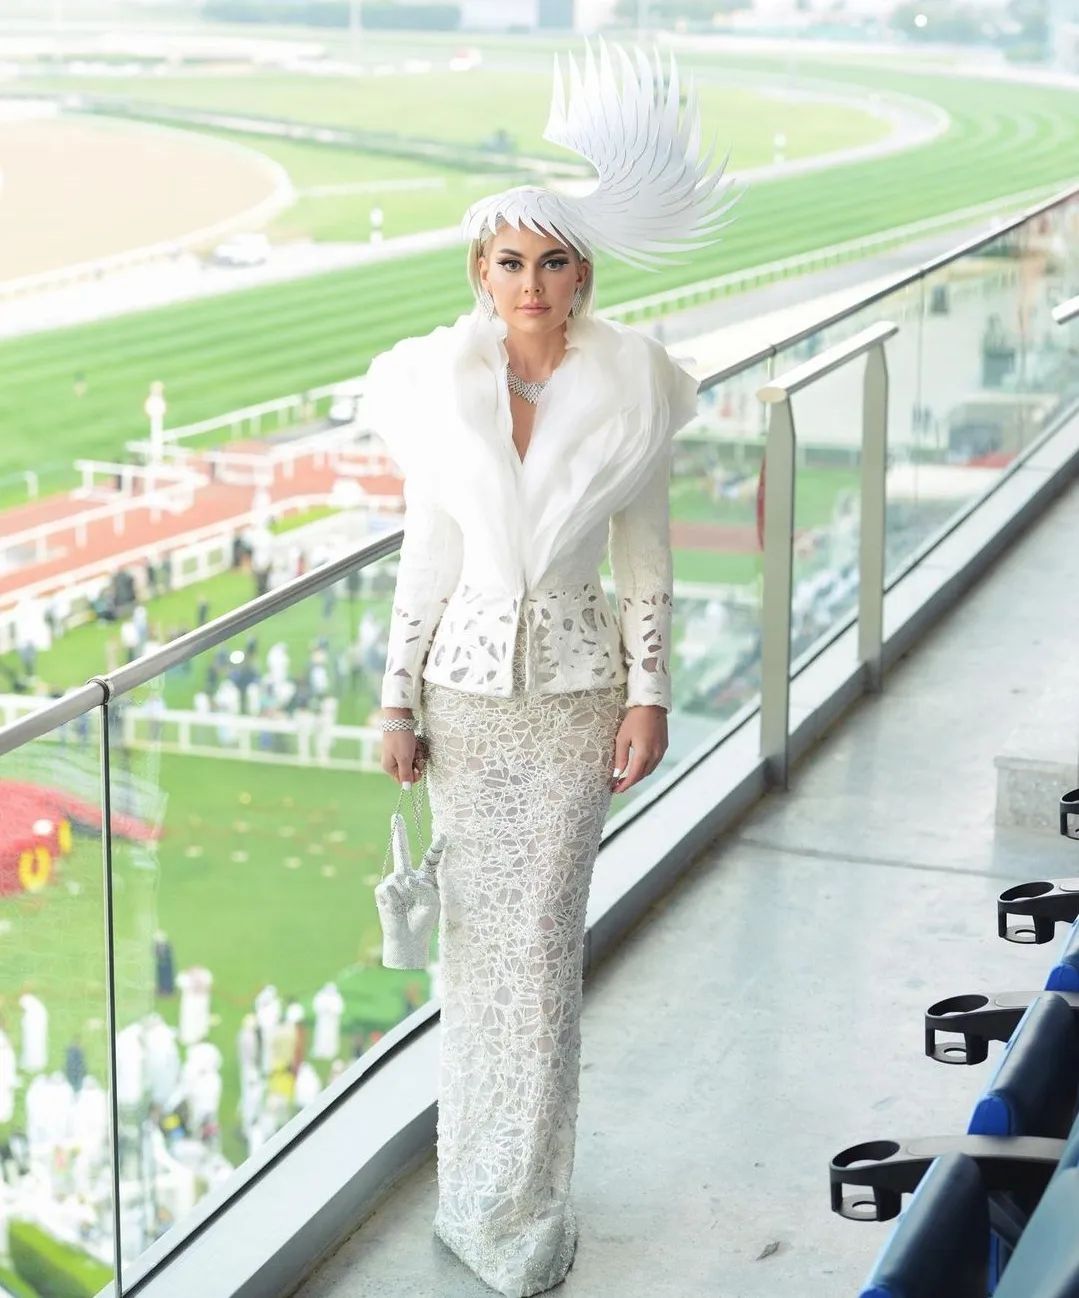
<point x="769" y="1012"/>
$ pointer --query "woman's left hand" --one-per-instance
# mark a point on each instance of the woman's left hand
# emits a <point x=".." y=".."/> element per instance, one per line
<point x="644" y="729"/>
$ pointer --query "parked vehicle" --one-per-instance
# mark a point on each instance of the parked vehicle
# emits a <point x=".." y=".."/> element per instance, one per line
<point x="249" y="249"/>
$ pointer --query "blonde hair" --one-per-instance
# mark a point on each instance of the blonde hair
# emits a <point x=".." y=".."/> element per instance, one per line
<point x="477" y="248"/>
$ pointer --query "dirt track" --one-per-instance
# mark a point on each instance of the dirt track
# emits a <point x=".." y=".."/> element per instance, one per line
<point x="74" y="189"/>
<point x="214" y="503"/>
<point x="719" y="537"/>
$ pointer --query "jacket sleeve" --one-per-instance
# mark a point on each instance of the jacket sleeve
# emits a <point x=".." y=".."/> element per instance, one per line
<point x="643" y="571"/>
<point x="642" y="564"/>
<point x="431" y="549"/>
<point x="427" y="572"/>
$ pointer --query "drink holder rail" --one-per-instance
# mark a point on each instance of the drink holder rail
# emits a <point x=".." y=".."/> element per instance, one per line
<point x="880" y="1172"/>
<point x="1043" y="903"/>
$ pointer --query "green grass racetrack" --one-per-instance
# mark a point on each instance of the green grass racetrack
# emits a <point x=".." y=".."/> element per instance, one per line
<point x="226" y="352"/>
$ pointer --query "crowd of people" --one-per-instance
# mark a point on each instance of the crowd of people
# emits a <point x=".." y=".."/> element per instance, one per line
<point x="304" y="689"/>
<point x="304" y="686"/>
<point x="55" y="1164"/>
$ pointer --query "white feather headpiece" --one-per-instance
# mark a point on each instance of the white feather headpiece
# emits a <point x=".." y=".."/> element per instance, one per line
<point x="653" y="196"/>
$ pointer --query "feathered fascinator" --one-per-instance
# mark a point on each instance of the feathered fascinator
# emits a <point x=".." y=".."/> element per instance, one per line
<point x="653" y="195"/>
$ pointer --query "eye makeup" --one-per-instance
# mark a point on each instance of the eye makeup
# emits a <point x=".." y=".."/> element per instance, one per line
<point x="549" y="261"/>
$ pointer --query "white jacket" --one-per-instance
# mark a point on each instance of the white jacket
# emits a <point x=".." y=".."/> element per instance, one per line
<point x="487" y="537"/>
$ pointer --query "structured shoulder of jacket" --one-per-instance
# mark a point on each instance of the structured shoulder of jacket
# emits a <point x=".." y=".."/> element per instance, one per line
<point x="414" y="347"/>
<point x="634" y="342"/>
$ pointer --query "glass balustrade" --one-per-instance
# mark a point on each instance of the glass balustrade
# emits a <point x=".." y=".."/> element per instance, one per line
<point x="716" y="550"/>
<point x="56" y="1165"/>
<point x="249" y="811"/>
<point x="248" y="947"/>
<point x="828" y="421"/>
<point x="994" y="371"/>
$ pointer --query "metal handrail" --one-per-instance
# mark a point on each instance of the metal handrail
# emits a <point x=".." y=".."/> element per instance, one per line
<point x="900" y="280"/>
<point x="75" y="703"/>
<point x="229" y="624"/>
<point x="1066" y="311"/>
<point x="794" y="380"/>
<point x="133" y="674"/>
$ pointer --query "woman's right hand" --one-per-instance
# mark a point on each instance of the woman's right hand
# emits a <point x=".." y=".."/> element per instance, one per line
<point x="403" y="755"/>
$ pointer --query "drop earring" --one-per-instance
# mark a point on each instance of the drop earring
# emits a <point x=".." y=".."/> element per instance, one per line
<point x="578" y="298"/>
<point x="488" y="305"/>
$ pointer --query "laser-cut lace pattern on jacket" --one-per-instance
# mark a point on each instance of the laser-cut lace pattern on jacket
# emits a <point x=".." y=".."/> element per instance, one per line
<point x="643" y="570"/>
<point x="457" y="635"/>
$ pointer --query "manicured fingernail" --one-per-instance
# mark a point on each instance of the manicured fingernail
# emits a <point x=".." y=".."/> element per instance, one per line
<point x="616" y="772"/>
<point x="406" y="784"/>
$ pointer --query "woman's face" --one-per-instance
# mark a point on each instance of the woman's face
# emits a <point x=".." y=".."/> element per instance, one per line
<point x="522" y="269"/>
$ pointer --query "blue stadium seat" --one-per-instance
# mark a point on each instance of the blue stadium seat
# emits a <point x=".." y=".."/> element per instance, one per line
<point x="1064" y="975"/>
<point x="1046" y="1260"/>
<point x="1034" y="1088"/>
<point x="1033" y="1092"/>
<point x="1069" y="1157"/>
<point x="938" y="1246"/>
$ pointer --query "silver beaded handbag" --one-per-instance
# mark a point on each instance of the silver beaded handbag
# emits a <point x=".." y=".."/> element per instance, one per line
<point x="408" y="900"/>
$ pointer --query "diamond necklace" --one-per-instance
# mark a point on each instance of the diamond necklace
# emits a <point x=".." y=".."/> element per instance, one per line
<point x="530" y="389"/>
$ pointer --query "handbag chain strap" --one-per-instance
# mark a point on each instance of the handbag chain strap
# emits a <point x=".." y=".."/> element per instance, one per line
<point x="422" y="782"/>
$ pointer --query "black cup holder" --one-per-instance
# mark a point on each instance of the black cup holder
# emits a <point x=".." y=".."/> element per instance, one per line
<point x="1023" y="890"/>
<point x="978" y="1019"/>
<point x="868" y="1181"/>
<point x="952" y="1015"/>
<point x="1069" y="814"/>
<point x="1041" y="904"/>
<point x="959" y="1004"/>
<point x="868" y="1202"/>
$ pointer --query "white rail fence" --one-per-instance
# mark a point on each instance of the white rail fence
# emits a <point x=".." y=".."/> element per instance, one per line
<point x="171" y="488"/>
<point x="251" y="421"/>
<point x="335" y="448"/>
<point x="205" y="552"/>
<point x="304" y="739"/>
<point x="32" y="544"/>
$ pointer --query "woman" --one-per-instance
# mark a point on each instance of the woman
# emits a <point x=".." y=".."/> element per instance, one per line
<point x="532" y="434"/>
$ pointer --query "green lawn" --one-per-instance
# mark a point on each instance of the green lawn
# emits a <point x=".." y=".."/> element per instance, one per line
<point x="81" y="653"/>
<point x="250" y="346"/>
<point x="346" y="217"/>
<point x="722" y="569"/>
<point x="384" y="103"/>
<point x="815" y="493"/>
<point x="467" y="109"/>
<point x="263" y="874"/>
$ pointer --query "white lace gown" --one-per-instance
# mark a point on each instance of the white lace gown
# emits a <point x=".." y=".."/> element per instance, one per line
<point x="521" y="786"/>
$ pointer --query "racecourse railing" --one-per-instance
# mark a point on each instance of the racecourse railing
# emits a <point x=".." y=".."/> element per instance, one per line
<point x="156" y="897"/>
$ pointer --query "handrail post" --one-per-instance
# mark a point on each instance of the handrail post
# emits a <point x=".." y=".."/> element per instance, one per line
<point x="873" y="516"/>
<point x="776" y="600"/>
<point x="776" y="612"/>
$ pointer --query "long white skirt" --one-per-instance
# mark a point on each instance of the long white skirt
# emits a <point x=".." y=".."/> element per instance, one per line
<point x="521" y="787"/>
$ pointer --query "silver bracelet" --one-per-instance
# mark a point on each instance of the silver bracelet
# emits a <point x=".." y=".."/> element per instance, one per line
<point x="398" y="723"/>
